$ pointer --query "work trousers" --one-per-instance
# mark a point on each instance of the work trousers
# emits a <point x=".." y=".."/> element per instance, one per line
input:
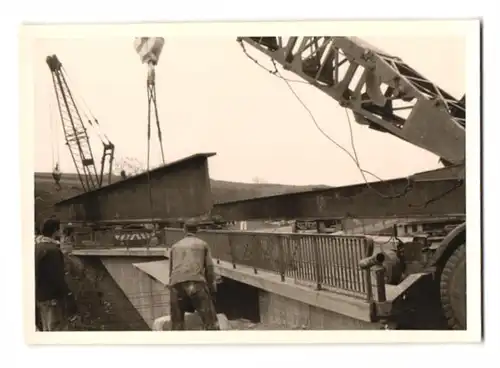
<point x="52" y="315"/>
<point x="192" y="296"/>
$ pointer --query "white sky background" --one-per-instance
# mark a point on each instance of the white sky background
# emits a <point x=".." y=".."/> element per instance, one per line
<point x="212" y="98"/>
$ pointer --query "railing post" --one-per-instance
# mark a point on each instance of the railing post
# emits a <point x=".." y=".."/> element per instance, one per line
<point x="368" y="282"/>
<point x="163" y="236"/>
<point x="366" y="251"/>
<point x="375" y="263"/>
<point x="231" y="250"/>
<point x="379" y="271"/>
<point x="317" y="262"/>
<point x="255" y="250"/>
<point x="281" y="256"/>
<point x="214" y="244"/>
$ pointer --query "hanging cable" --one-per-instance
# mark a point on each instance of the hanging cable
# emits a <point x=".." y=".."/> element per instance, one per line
<point x="150" y="85"/>
<point x="86" y="112"/>
<point x="78" y="96"/>
<point x="351" y="156"/>
<point x="54" y="122"/>
<point x="354" y="157"/>
<point x="351" y="134"/>
<point x="52" y="135"/>
<point x="88" y="119"/>
<point x="56" y="171"/>
<point x="274" y="72"/>
<point x="153" y="106"/>
<point x="149" y="50"/>
<point x="277" y="73"/>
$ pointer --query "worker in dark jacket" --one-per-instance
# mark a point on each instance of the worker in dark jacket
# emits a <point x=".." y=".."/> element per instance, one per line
<point x="192" y="280"/>
<point x="54" y="301"/>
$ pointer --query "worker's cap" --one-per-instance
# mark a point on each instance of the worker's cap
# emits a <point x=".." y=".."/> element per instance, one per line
<point x="217" y="218"/>
<point x="191" y="225"/>
<point x="192" y="222"/>
<point x="51" y="225"/>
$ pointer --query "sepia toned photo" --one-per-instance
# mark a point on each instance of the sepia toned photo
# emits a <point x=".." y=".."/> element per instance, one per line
<point x="225" y="182"/>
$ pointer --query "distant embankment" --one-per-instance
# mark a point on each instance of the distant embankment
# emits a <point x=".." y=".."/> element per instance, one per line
<point x="223" y="191"/>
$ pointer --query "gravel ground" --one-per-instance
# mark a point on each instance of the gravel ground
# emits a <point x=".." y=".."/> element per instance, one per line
<point x="243" y="324"/>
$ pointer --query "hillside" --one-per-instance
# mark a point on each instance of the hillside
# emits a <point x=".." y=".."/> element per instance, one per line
<point x="223" y="191"/>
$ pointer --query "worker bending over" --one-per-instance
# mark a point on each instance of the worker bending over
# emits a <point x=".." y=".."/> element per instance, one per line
<point x="54" y="301"/>
<point x="192" y="280"/>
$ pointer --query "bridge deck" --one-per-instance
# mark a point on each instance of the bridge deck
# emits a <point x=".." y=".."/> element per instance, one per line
<point x="333" y="300"/>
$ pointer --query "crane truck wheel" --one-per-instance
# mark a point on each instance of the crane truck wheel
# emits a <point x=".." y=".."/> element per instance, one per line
<point x="453" y="292"/>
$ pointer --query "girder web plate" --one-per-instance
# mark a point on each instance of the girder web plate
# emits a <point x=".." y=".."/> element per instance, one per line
<point x="422" y="198"/>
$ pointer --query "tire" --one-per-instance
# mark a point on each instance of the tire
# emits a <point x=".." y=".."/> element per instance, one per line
<point x="453" y="291"/>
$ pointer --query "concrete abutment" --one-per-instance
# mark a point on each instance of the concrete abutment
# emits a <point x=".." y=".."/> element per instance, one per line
<point x="134" y="288"/>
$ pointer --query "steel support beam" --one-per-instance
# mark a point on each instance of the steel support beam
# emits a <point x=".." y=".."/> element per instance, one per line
<point x="394" y="198"/>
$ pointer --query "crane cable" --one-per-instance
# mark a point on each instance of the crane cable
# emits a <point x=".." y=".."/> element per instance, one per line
<point x="54" y="136"/>
<point x="408" y="186"/>
<point x="151" y="87"/>
<point x="353" y="156"/>
<point x="151" y="91"/>
<point x="53" y="141"/>
<point x="86" y="112"/>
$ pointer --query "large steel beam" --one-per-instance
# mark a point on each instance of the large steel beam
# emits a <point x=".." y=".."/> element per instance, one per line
<point x="178" y="189"/>
<point x="421" y="195"/>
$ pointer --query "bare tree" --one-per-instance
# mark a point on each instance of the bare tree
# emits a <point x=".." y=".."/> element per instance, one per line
<point x="128" y="166"/>
<point x="258" y="180"/>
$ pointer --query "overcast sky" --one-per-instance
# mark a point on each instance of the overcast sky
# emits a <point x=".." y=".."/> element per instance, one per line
<point x="212" y="98"/>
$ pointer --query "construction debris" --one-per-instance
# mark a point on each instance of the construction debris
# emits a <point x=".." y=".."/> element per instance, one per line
<point x="192" y="322"/>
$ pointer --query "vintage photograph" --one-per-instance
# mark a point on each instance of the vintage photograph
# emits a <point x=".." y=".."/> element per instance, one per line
<point x="250" y="183"/>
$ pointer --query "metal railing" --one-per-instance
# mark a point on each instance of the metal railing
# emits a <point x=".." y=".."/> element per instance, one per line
<point x="322" y="261"/>
<point x="116" y="237"/>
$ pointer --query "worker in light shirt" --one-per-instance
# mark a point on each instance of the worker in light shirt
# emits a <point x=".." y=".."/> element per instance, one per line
<point x="192" y="280"/>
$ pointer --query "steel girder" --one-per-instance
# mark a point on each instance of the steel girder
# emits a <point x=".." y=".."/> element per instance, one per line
<point x="427" y="194"/>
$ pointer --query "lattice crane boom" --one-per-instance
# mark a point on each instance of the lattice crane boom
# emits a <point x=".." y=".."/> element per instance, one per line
<point x="434" y="120"/>
<point x="75" y="133"/>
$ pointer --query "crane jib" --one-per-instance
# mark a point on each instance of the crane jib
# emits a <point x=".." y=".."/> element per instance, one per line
<point x="75" y="132"/>
<point x="427" y="116"/>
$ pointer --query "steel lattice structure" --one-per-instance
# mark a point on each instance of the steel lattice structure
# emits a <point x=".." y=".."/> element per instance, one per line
<point x="370" y="83"/>
<point x="75" y="133"/>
